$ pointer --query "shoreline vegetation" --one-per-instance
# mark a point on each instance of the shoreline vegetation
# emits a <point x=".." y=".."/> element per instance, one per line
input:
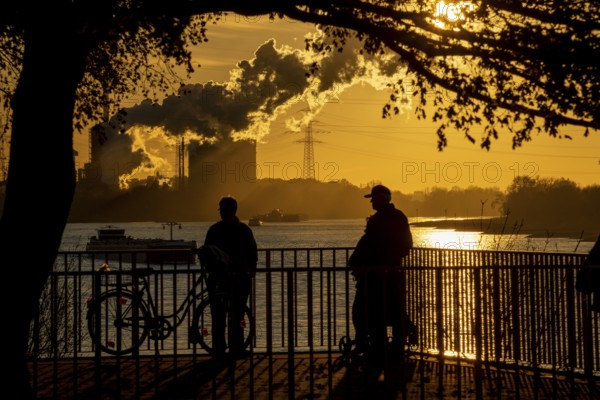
<point x="508" y="226"/>
<point x="537" y="207"/>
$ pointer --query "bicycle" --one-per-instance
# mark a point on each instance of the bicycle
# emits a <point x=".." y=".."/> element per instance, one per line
<point x="126" y="314"/>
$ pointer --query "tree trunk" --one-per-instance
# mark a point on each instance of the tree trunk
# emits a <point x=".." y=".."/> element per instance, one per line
<point x="40" y="183"/>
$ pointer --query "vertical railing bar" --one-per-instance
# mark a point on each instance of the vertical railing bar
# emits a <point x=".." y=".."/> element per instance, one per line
<point x="571" y="339"/>
<point x="291" y="339"/>
<point x="478" y="333"/>
<point x="321" y="297"/>
<point x="579" y="310"/>
<point x="516" y="326"/>
<point x="77" y="285"/>
<point x="333" y="293"/>
<point x="554" y="339"/>
<point x="97" y="351"/>
<point x="486" y="313"/>
<point x="331" y="309"/>
<point x="135" y="330"/>
<point x="136" y="353"/>
<point x="426" y="311"/>
<point x="311" y="349"/>
<point x="403" y="323"/>
<point x="54" y="330"/>
<point x="496" y="304"/>
<point x="588" y="344"/>
<point x="269" y="314"/>
<point x="560" y="278"/>
<point x="457" y="326"/>
<point x="533" y="324"/>
<point x="174" y="275"/>
<point x="540" y="278"/>
<point x="282" y="318"/>
<point x="440" y="322"/>
<point x="296" y="301"/>
<point x="484" y="303"/>
<point x="467" y="337"/>
<point x="347" y="276"/>
<point x="595" y="325"/>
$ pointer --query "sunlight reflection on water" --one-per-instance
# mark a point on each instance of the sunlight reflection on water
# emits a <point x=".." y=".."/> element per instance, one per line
<point x="451" y="239"/>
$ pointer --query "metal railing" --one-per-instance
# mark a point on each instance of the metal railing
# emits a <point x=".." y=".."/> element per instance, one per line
<point x="514" y="311"/>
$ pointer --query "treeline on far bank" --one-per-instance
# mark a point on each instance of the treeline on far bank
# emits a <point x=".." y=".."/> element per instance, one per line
<point x="318" y="200"/>
<point x="532" y="205"/>
<point x="546" y="207"/>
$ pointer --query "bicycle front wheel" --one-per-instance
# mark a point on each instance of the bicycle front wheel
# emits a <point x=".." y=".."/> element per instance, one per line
<point x="117" y="322"/>
<point x="202" y="327"/>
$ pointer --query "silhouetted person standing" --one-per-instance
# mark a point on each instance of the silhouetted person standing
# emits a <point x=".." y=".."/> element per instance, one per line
<point x="378" y="254"/>
<point x="236" y="239"/>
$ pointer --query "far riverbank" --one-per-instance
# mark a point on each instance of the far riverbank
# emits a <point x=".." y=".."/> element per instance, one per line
<point x="508" y="226"/>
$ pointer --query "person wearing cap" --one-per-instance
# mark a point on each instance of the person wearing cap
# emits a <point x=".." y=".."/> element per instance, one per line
<point x="387" y="239"/>
<point x="236" y="240"/>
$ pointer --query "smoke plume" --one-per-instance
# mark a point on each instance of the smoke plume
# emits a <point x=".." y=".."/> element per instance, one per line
<point x="258" y="91"/>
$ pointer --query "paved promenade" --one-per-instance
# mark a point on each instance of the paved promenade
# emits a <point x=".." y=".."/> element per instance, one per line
<point x="321" y="376"/>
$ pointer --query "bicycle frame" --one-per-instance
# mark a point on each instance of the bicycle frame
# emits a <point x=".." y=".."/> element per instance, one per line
<point x="140" y="290"/>
<point x="131" y="314"/>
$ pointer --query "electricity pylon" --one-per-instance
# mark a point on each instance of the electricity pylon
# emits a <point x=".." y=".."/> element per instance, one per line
<point x="308" y="171"/>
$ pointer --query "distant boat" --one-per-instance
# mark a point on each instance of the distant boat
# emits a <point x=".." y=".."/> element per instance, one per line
<point x="112" y="239"/>
<point x="278" y="215"/>
<point x="255" y="221"/>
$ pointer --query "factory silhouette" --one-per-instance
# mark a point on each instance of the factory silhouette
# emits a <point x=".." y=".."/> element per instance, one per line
<point x="214" y="169"/>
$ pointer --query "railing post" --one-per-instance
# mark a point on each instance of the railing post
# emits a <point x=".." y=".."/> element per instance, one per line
<point x="97" y="351"/>
<point x="290" y="312"/>
<point x="533" y="325"/>
<point x="588" y="346"/>
<point x="516" y="326"/>
<point x="310" y="330"/>
<point x="495" y="265"/>
<point x="478" y="334"/>
<point x="572" y="349"/>
<point x="269" y="316"/>
<point x="457" y="325"/>
<point x="440" y="324"/>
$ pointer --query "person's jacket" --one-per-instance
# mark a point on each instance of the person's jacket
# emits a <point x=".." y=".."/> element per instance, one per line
<point x="386" y="241"/>
<point x="237" y="241"/>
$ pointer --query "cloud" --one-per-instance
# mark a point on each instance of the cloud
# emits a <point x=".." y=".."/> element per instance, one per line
<point x="339" y="71"/>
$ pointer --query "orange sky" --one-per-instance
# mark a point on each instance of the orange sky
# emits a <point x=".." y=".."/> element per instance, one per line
<point x="353" y="142"/>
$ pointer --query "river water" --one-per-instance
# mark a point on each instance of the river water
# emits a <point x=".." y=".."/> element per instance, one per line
<point x="329" y="233"/>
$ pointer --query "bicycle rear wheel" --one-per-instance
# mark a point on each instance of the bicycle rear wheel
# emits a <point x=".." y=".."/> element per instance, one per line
<point x="117" y="322"/>
<point x="202" y="327"/>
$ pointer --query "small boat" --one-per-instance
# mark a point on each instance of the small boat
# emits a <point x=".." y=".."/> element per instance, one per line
<point x="112" y="243"/>
<point x="278" y="215"/>
<point x="255" y="221"/>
